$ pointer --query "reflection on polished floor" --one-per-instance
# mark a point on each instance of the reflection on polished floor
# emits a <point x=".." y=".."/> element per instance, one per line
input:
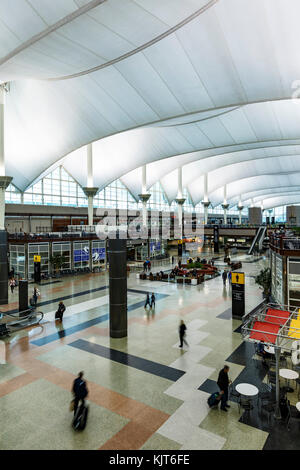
<point x="144" y="391"/>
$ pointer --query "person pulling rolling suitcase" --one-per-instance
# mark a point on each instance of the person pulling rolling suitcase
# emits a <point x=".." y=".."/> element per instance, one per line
<point x="80" y="392"/>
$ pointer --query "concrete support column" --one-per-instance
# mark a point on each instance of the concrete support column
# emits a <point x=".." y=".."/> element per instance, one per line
<point x="4" y="182"/>
<point x="90" y="173"/>
<point x="180" y="200"/>
<point x="90" y="194"/>
<point x="90" y="209"/>
<point x="144" y="196"/>
<point x="206" y="205"/>
<point x="117" y="253"/>
<point x="2" y="150"/>
<point x="225" y="205"/>
<point x="90" y="191"/>
<point x="3" y="268"/>
<point x="144" y="179"/>
<point x="240" y="214"/>
<point x="255" y="215"/>
<point x="205" y="202"/>
<point x="240" y="208"/>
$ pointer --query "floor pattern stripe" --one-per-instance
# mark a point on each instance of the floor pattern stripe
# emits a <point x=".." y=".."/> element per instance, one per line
<point x="129" y="360"/>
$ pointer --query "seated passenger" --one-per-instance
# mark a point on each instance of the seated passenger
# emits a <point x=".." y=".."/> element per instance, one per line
<point x="261" y="352"/>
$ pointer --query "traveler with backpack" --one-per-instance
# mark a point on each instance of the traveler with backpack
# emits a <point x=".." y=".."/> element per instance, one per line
<point x="60" y="311"/>
<point x="80" y="391"/>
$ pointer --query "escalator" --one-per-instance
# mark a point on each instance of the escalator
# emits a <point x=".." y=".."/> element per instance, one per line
<point x="259" y="238"/>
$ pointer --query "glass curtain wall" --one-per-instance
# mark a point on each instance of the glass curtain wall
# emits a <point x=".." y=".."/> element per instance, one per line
<point x="58" y="188"/>
<point x="17" y="260"/>
<point x="12" y="195"/>
<point x="115" y="196"/>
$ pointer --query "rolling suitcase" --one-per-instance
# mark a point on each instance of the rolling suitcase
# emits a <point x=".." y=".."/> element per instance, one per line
<point x="213" y="400"/>
<point x="80" y="418"/>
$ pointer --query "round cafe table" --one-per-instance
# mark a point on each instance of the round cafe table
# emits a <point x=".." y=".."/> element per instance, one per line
<point x="298" y="406"/>
<point x="247" y="390"/>
<point x="288" y="374"/>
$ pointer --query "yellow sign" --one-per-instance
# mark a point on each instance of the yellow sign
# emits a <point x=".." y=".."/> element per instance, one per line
<point x="37" y="259"/>
<point x="179" y="242"/>
<point x="238" y="278"/>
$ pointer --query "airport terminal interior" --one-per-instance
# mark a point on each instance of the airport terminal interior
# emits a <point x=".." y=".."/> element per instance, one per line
<point x="149" y="225"/>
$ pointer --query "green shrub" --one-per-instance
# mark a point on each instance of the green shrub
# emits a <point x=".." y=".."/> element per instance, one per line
<point x="263" y="279"/>
<point x="196" y="265"/>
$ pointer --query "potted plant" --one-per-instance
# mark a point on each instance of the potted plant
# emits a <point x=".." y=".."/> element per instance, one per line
<point x="263" y="279"/>
<point x="57" y="261"/>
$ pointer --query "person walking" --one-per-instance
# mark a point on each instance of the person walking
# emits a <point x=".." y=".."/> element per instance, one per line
<point x="147" y="301"/>
<point x="223" y="384"/>
<point x="60" y="311"/>
<point x="36" y="294"/>
<point x="224" y="277"/>
<point x="12" y="285"/>
<point x="152" y="300"/>
<point x="182" y="334"/>
<point x="229" y="277"/>
<point x="149" y="265"/>
<point x="79" y="390"/>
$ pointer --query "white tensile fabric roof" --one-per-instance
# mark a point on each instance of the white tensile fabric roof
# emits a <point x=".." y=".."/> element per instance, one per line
<point x="208" y="86"/>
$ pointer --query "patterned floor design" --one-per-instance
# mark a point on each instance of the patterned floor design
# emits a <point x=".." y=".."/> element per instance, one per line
<point x="144" y="391"/>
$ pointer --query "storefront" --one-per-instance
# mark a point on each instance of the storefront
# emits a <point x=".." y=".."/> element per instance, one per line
<point x="76" y="255"/>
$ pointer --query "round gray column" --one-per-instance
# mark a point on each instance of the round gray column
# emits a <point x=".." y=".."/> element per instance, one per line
<point x="117" y="252"/>
<point x="3" y="268"/>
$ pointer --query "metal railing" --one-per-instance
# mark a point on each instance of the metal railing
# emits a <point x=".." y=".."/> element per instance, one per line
<point x="23" y="319"/>
<point x="285" y="243"/>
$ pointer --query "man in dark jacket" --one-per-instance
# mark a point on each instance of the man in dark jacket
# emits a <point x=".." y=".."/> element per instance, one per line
<point x="80" y="391"/>
<point x="182" y="330"/>
<point x="60" y="311"/>
<point x="152" y="300"/>
<point x="223" y="383"/>
<point x="147" y="301"/>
